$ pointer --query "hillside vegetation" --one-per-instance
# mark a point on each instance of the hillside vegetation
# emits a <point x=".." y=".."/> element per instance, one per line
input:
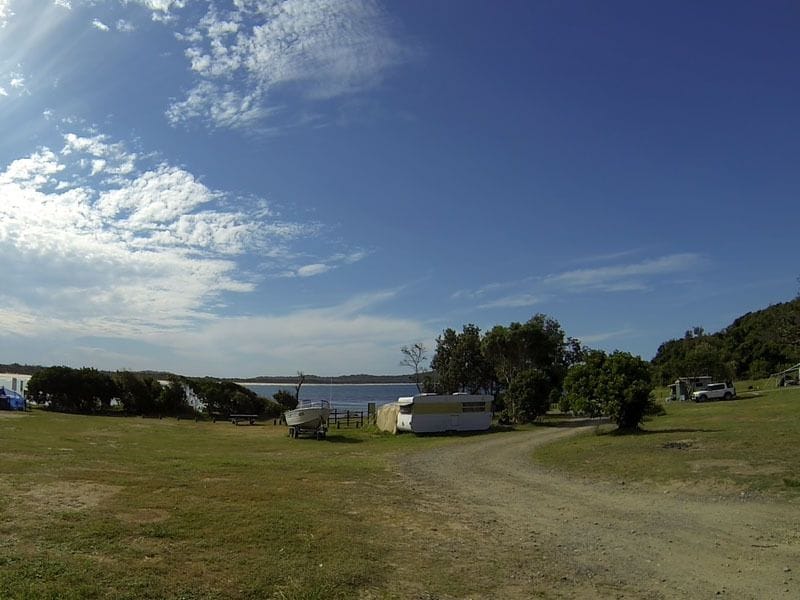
<point x="754" y="346"/>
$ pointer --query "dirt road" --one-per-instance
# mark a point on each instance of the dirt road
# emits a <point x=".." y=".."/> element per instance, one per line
<point x="554" y="536"/>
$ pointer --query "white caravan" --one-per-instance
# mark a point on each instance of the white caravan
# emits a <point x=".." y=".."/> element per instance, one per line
<point x="435" y="413"/>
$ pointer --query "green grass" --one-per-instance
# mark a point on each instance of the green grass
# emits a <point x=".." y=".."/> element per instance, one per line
<point x="751" y="444"/>
<point x="95" y="507"/>
<point x="112" y="507"/>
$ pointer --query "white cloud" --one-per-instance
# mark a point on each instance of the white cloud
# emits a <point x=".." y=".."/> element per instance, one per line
<point x="5" y="12"/>
<point x="98" y="24"/>
<point x="147" y="250"/>
<point x="318" y="48"/>
<point x="161" y="10"/>
<point x="333" y="262"/>
<point x="15" y="80"/>
<point x="124" y="26"/>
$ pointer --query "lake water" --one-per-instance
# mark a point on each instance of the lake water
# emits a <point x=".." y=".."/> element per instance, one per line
<point x="342" y="396"/>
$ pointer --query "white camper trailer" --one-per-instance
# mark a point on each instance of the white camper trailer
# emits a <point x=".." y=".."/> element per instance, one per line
<point x="434" y="413"/>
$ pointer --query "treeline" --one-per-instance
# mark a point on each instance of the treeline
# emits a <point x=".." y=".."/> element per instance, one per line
<point x="754" y="346"/>
<point x="89" y="391"/>
<point x="530" y="366"/>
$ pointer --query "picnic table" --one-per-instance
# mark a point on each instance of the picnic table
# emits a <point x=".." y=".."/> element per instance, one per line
<point x="249" y="418"/>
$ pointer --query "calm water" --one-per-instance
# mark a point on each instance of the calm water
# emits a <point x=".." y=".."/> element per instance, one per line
<point x="342" y="396"/>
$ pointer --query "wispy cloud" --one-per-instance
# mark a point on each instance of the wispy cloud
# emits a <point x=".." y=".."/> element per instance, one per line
<point x="628" y="277"/>
<point x="596" y="338"/>
<point x="516" y="301"/>
<point x="331" y="263"/>
<point x="99" y="25"/>
<point x="316" y="50"/>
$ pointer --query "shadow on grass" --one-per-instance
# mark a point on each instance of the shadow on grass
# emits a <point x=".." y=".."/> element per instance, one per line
<point x="342" y="439"/>
<point x="573" y="422"/>
<point x="659" y="431"/>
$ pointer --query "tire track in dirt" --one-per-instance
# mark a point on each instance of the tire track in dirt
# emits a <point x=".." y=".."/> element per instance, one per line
<point x="570" y="537"/>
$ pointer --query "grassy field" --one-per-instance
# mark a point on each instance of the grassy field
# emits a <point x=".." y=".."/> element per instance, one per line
<point x="748" y="445"/>
<point x="111" y="507"/>
<point x="141" y="508"/>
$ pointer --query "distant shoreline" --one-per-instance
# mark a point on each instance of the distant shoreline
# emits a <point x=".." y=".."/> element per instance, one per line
<point x="289" y="383"/>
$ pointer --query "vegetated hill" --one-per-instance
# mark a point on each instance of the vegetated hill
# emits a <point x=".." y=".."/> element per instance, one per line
<point x="19" y="369"/>
<point x="754" y="346"/>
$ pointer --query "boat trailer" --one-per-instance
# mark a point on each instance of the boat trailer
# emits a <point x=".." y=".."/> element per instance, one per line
<point x="319" y="432"/>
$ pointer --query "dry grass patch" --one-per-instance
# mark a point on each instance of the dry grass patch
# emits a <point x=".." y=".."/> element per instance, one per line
<point x="67" y="496"/>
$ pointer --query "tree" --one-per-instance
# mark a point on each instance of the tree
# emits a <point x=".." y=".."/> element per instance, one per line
<point x="287" y="400"/>
<point x="532" y="358"/>
<point x="414" y="357"/>
<point x="528" y="396"/>
<point x="72" y="390"/>
<point x="618" y="385"/>
<point x="172" y="398"/>
<point x="458" y="362"/>
<point x="301" y="377"/>
<point x="226" y="397"/>
<point x="139" y="394"/>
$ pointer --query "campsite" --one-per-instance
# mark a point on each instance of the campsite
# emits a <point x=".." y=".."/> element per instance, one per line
<point x="703" y="502"/>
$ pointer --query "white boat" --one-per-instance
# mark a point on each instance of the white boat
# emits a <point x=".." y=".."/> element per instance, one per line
<point x="309" y="415"/>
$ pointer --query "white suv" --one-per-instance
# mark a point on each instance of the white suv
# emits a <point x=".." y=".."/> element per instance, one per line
<point x="715" y="391"/>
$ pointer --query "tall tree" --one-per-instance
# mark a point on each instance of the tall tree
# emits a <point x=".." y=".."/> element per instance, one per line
<point x="458" y="362"/>
<point x="415" y="355"/>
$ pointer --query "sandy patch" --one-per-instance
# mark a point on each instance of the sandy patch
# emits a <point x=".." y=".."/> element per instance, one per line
<point x="68" y="496"/>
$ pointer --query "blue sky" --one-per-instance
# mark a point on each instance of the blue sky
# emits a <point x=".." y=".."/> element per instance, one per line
<point x="260" y="187"/>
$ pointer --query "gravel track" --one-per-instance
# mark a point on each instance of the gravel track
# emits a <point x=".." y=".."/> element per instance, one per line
<point x="568" y="537"/>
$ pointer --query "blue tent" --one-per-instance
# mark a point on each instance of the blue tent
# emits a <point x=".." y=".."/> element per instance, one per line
<point x="11" y="400"/>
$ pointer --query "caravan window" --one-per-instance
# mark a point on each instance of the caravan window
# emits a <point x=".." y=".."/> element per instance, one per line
<point x="406" y="409"/>
<point x="473" y="407"/>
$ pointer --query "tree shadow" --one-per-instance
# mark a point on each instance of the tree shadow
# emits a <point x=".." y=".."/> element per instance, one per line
<point x="342" y="439"/>
<point x="573" y="422"/>
<point x="659" y="431"/>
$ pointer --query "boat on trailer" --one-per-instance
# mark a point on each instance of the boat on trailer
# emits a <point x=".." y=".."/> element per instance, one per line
<point x="310" y="416"/>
